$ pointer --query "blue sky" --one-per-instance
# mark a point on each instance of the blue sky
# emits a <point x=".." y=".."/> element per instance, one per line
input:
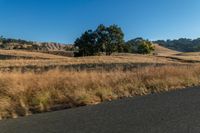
<point x="64" y="20"/>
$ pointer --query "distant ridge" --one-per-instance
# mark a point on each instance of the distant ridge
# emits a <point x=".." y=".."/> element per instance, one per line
<point x="11" y="44"/>
<point x="181" y="44"/>
<point x="34" y="46"/>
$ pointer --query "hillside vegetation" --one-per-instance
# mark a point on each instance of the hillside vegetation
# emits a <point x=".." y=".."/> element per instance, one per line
<point x="26" y="93"/>
<point x="38" y="77"/>
<point x="33" y="82"/>
<point x="16" y="60"/>
<point x="182" y="44"/>
<point x="25" y="60"/>
<point x="13" y="44"/>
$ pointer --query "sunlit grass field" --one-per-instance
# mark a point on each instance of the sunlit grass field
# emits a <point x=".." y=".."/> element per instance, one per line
<point x="47" y="82"/>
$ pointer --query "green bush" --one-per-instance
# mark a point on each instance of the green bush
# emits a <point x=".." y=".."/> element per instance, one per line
<point x="140" y="46"/>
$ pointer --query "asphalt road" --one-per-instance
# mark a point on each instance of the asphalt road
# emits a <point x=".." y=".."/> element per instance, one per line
<point x="174" y="112"/>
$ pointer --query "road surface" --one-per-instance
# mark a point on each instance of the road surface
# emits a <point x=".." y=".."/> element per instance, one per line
<point x="173" y="112"/>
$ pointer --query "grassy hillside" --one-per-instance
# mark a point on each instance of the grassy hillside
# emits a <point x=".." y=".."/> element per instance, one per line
<point x="19" y="54"/>
<point x="187" y="57"/>
<point x="32" y="82"/>
<point x="12" y="60"/>
<point x="160" y="50"/>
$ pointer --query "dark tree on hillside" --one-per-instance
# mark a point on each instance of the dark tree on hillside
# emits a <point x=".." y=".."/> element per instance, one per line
<point x="86" y="44"/>
<point x="116" y="39"/>
<point x="102" y="40"/>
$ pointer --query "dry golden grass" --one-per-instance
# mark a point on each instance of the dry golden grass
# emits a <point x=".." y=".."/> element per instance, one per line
<point x="26" y="93"/>
<point x="175" y="55"/>
<point x="162" y="51"/>
<point x="127" y="59"/>
<point x="34" y="60"/>
<point x="183" y="57"/>
<point x="27" y="54"/>
<point x="187" y="57"/>
<point x="189" y="54"/>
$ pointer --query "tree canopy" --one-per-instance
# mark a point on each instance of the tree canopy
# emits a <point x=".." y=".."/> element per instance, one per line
<point x="102" y="40"/>
<point x="140" y="46"/>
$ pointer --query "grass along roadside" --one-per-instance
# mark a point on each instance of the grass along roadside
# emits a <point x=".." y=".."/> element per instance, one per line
<point x="22" y="94"/>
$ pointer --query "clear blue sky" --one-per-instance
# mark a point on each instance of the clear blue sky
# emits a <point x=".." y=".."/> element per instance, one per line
<point x="65" y="20"/>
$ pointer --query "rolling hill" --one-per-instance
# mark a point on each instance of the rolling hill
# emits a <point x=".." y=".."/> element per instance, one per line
<point x="160" y="50"/>
<point x="20" y="54"/>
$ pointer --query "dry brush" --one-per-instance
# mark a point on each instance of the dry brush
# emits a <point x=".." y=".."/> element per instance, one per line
<point x="26" y="93"/>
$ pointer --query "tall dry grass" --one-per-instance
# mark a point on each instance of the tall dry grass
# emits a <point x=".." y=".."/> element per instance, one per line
<point x="26" y="93"/>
